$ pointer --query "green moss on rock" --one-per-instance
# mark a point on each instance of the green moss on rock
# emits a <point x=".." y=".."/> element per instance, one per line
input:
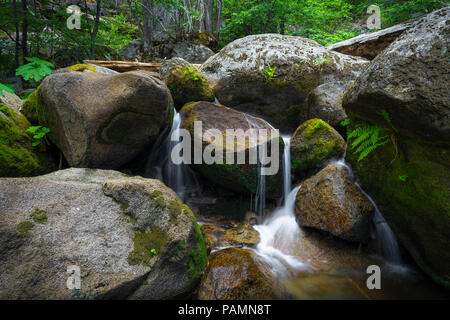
<point x="39" y="216"/>
<point x="197" y="259"/>
<point x="418" y="209"/>
<point x="25" y="227"/>
<point x="144" y="243"/>
<point x="313" y="143"/>
<point x="82" y="67"/>
<point x="17" y="156"/>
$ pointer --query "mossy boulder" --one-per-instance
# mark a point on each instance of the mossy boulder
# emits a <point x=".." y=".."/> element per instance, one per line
<point x="186" y="84"/>
<point x="18" y="158"/>
<point x="409" y="179"/>
<point x="131" y="237"/>
<point x="330" y="201"/>
<point x="101" y="120"/>
<point x="313" y="144"/>
<point x="267" y="74"/>
<point x="233" y="176"/>
<point x="237" y="274"/>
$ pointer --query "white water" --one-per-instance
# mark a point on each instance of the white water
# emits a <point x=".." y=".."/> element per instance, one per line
<point x="179" y="178"/>
<point x="280" y="232"/>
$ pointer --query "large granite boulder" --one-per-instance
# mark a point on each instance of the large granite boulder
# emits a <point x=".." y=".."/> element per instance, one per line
<point x="405" y="94"/>
<point x="130" y="237"/>
<point x="185" y="83"/>
<point x="330" y="201"/>
<point x="267" y="74"/>
<point x="236" y="274"/>
<point x="238" y="177"/>
<point x="192" y="52"/>
<point x="101" y="120"/>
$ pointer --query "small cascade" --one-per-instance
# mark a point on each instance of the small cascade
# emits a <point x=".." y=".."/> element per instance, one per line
<point x="179" y="177"/>
<point x="280" y="232"/>
<point x="385" y="240"/>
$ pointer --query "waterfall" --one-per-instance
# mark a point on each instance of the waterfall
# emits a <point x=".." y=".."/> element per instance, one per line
<point x="279" y="233"/>
<point x="179" y="178"/>
<point x="385" y="240"/>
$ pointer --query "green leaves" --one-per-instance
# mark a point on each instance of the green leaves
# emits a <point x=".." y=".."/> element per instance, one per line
<point x="36" y="69"/>
<point x="39" y="133"/>
<point x="367" y="139"/>
<point x="268" y="73"/>
<point x="7" y="88"/>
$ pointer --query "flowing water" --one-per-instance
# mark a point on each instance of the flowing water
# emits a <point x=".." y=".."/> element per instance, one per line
<point x="179" y="177"/>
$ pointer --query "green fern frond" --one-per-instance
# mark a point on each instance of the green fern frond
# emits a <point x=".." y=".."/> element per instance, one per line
<point x="367" y="139"/>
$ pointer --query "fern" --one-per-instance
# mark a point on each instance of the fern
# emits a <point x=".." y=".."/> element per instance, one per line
<point x="367" y="139"/>
<point x="36" y="69"/>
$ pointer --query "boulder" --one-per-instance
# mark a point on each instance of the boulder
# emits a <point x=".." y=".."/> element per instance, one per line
<point x="267" y="74"/>
<point x="185" y="83"/>
<point x="130" y="237"/>
<point x="101" y="120"/>
<point x="236" y="274"/>
<point x="330" y="201"/>
<point x="18" y="158"/>
<point x="409" y="81"/>
<point x="369" y="45"/>
<point x="313" y="144"/>
<point x="325" y="102"/>
<point x="409" y="176"/>
<point x="131" y="50"/>
<point x="236" y="177"/>
<point x="191" y="52"/>
<point x="242" y="235"/>
<point x="11" y="100"/>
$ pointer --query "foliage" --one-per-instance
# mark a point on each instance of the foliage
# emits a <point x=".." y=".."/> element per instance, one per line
<point x="36" y="69"/>
<point x="7" y="88"/>
<point x="268" y="73"/>
<point x="39" y="133"/>
<point x="366" y="139"/>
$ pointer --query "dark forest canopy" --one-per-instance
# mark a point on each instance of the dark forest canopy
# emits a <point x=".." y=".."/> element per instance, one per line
<point x="38" y="28"/>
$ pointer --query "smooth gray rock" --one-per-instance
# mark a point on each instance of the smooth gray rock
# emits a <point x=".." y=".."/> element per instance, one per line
<point x="193" y="53"/>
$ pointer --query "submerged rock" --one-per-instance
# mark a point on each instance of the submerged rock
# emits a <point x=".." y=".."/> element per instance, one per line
<point x="130" y="237"/>
<point x="18" y="158"/>
<point x="236" y="177"/>
<point x="99" y="120"/>
<point x="405" y="93"/>
<point x="330" y="201"/>
<point x="313" y="144"/>
<point x="236" y="274"/>
<point x="267" y="74"/>
<point x="185" y="83"/>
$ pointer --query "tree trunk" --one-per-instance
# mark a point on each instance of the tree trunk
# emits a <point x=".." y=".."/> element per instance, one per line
<point x="208" y="17"/>
<point x="16" y="22"/>
<point x="95" y="29"/>
<point x="24" y="30"/>
<point x="218" y="16"/>
<point x="147" y="25"/>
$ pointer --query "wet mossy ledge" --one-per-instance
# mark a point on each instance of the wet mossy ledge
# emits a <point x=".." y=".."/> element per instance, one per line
<point x="18" y="158"/>
<point x="409" y="179"/>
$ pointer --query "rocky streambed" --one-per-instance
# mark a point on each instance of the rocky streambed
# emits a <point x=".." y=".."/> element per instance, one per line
<point x="363" y="176"/>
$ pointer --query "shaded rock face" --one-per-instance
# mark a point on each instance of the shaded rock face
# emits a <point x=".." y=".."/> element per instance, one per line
<point x="131" y="237"/>
<point x="18" y="158"/>
<point x="371" y="44"/>
<point x="191" y="52"/>
<point x="186" y="84"/>
<point x="102" y="121"/>
<point x="313" y="144"/>
<point x="409" y="176"/>
<point x="330" y="201"/>
<point x="236" y="274"/>
<point x="325" y="102"/>
<point x="410" y="80"/>
<point x="243" y="77"/>
<point x="235" y="177"/>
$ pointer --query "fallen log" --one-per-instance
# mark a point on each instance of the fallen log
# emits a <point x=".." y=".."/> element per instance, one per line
<point x="124" y="66"/>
